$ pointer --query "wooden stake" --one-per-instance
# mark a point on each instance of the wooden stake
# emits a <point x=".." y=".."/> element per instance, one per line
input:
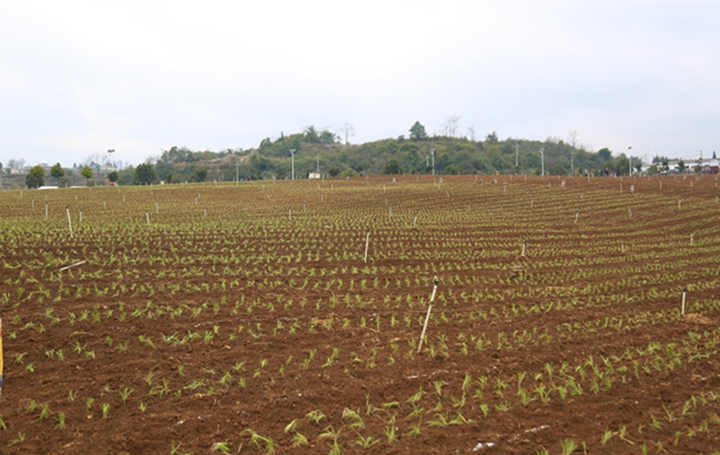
<point x="682" y="309"/>
<point x="71" y="265"/>
<point x="367" y="244"/>
<point x="427" y="316"/>
<point x="523" y="249"/>
<point x="67" y="209"/>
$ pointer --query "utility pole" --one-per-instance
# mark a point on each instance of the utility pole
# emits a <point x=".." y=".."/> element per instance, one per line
<point x="517" y="151"/>
<point x="630" y="159"/>
<point x="542" y="160"/>
<point x="432" y="151"/>
<point x="237" y="173"/>
<point x="292" y="154"/>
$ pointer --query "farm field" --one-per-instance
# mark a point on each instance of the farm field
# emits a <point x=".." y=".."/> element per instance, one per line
<point x="246" y="318"/>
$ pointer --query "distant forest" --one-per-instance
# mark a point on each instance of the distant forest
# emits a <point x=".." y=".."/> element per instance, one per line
<point x="331" y="155"/>
<point x="324" y="152"/>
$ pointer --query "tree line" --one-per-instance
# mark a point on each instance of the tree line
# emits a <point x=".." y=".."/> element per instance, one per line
<point x="329" y="154"/>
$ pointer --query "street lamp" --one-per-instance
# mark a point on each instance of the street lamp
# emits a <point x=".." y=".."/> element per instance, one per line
<point x="630" y="159"/>
<point x="292" y="154"/>
<point x="432" y="151"/>
<point x="542" y="160"/>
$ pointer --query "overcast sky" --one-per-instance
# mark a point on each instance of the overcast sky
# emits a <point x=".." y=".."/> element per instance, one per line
<point x="79" y="78"/>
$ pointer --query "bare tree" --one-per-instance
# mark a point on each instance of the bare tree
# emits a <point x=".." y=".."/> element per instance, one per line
<point x="347" y="131"/>
<point x="451" y="125"/>
<point x="573" y="139"/>
<point x="471" y="133"/>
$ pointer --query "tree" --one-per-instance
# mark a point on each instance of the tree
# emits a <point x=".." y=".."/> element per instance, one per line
<point x="681" y="166"/>
<point x="87" y="173"/>
<point x="334" y="171"/>
<point x="557" y="169"/>
<point x="201" y="174"/>
<point x="391" y="167"/>
<point x="622" y="165"/>
<point x="347" y="131"/>
<point x="112" y="176"/>
<point x="452" y="169"/>
<point x="604" y="155"/>
<point x="492" y="138"/>
<point x="144" y="174"/>
<point x="36" y="177"/>
<point x="451" y="125"/>
<point x="417" y="132"/>
<point x="57" y="172"/>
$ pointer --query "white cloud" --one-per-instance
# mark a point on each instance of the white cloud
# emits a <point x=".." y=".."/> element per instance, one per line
<point x="77" y="75"/>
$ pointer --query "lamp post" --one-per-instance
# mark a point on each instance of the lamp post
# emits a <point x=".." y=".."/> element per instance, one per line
<point x="517" y="152"/>
<point x="292" y="154"/>
<point x="630" y="160"/>
<point x="237" y="173"/>
<point x="542" y="161"/>
<point x="432" y="151"/>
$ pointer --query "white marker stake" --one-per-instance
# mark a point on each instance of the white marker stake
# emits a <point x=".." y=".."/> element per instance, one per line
<point x="71" y="265"/>
<point x="147" y="218"/>
<point x="427" y="317"/>
<point x="682" y="310"/>
<point x="367" y="244"/>
<point x="67" y="209"/>
<point x="415" y="222"/>
<point x="523" y="249"/>
<point x="46" y="210"/>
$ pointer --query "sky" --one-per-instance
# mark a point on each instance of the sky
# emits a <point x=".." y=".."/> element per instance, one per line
<point x="80" y="77"/>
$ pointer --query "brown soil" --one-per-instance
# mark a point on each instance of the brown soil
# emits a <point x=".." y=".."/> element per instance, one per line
<point x="254" y="308"/>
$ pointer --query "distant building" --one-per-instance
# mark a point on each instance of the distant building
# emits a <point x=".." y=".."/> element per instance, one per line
<point x="315" y="175"/>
